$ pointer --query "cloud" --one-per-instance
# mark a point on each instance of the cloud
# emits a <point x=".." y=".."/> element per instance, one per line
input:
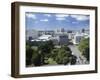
<point x="44" y="20"/>
<point x="61" y="15"/>
<point x="30" y="15"/>
<point x="60" y="18"/>
<point x="80" y="17"/>
<point x="48" y="15"/>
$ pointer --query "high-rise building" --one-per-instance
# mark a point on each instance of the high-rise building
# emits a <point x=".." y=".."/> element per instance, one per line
<point x="63" y="39"/>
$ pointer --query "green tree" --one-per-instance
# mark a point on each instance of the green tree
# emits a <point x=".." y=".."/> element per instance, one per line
<point x="73" y="59"/>
<point x="66" y="60"/>
<point x="29" y="53"/>
<point x="46" y="47"/>
<point x="63" y="55"/>
<point x="37" y="60"/>
<point x="54" y="53"/>
<point x="84" y="48"/>
<point x="86" y="53"/>
<point x="32" y="56"/>
<point x="83" y="44"/>
<point x="67" y="49"/>
<point x="45" y="50"/>
<point x="60" y="56"/>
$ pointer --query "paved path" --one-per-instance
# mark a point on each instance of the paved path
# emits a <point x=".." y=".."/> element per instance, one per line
<point x="77" y="53"/>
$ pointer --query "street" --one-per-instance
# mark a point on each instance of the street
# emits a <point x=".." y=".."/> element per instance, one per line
<point x="77" y="53"/>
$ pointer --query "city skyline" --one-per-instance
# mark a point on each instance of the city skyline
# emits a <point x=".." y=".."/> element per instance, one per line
<point x="52" y="21"/>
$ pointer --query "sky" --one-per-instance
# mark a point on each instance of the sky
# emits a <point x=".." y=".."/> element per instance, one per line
<point x="52" y="21"/>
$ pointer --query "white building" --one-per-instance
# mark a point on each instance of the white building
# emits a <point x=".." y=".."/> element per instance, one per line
<point x="57" y="40"/>
<point x="78" y="37"/>
<point x="45" y="37"/>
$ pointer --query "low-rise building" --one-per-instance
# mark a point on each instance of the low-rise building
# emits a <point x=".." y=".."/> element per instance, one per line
<point x="78" y="37"/>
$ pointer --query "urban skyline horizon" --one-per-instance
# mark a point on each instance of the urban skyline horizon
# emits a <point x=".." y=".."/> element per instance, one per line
<point x="52" y="21"/>
<point x="58" y="29"/>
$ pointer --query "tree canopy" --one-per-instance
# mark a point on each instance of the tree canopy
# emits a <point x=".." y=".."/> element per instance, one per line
<point x="38" y="54"/>
<point x="84" y="47"/>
